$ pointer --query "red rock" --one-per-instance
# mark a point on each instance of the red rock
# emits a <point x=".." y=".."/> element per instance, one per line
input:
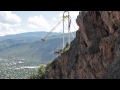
<point x="93" y="50"/>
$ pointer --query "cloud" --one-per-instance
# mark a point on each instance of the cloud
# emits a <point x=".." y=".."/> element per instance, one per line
<point x="73" y="14"/>
<point x="9" y="17"/>
<point x="12" y="31"/>
<point x="10" y="23"/>
<point x="6" y="29"/>
<point x="38" y="22"/>
<point x="54" y="19"/>
<point x="74" y="26"/>
<point x="58" y="18"/>
<point x="41" y="23"/>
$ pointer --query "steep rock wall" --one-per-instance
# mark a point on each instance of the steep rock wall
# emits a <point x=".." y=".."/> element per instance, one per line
<point x="93" y="51"/>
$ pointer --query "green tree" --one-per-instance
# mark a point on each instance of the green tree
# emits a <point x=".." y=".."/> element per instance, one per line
<point x="67" y="46"/>
<point x="41" y="70"/>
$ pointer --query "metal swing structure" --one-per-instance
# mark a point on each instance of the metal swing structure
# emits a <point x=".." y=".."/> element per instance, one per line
<point x="69" y="25"/>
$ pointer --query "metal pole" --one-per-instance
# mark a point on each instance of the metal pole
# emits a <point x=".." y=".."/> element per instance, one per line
<point x="68" y="29"/>
<point x="63" y="29"/>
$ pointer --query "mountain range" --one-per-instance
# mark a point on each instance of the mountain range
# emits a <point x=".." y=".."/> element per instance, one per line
<point x="29" y="46"/>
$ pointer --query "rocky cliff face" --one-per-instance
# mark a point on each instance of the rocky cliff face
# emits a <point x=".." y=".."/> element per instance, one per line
<point x="95" y="51"/>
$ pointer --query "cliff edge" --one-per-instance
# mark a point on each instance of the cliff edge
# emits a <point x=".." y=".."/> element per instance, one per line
<point x="95" y="51"/>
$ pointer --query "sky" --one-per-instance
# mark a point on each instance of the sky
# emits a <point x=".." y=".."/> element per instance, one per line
<point x="15" y="22"/>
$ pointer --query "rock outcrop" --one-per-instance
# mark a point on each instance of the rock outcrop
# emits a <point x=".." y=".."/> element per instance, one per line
<point x="95" y="51"/>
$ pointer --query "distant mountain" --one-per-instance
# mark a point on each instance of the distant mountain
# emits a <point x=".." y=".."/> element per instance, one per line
<point x="32" y="35"/>
<point x="27" y="50"/>
<point x="30" y="47"/>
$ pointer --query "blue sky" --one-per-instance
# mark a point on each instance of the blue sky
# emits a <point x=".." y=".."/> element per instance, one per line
<point x="14" y="22"/>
